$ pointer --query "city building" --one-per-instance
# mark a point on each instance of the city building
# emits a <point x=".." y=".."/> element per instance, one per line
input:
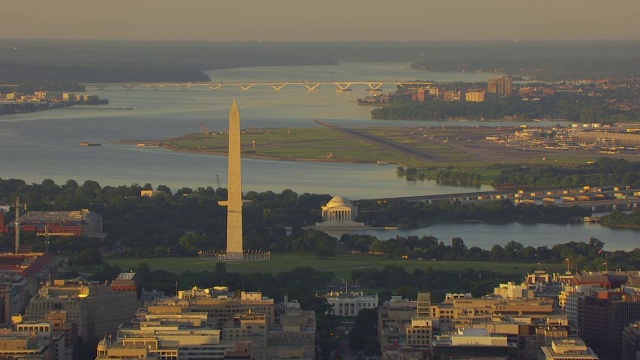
<point x="127" y="282"/>
<point x="420" y="333"/>
<point x="605" y="315"/>
<point x="539" y="280"/>
<point x="474" y="95"/>
<point x="512" y="290"/>
<point x="500" y="85"/>
<point x="394" y="316"/>
<point x="94" y="307"/>
<point x="177" y="330"/>
<point x="24" y="345"/>
<point x="424" y="93"/>
<point x="568" y="349"/>
<point x="79" y="223"/>
<point x="33" y="340"/>
<point x="476" y="343"/>
<point x="631" y="342"/>
<point x="606" y="280"/>
<point x="221" y="303"/>
<point x="20" y="277"/>
<point x="452" y="95"/>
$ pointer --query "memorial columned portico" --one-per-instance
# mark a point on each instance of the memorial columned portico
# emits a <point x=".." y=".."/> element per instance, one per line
<point x="339" y="209"/>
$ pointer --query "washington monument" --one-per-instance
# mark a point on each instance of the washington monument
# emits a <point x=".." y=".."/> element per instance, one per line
<point x="235" y="250"/>
<point x="234" y="199"/>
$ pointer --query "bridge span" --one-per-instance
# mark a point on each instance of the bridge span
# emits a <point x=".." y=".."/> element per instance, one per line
<point x="597" y="199"/>
<point x="345" y="85"/>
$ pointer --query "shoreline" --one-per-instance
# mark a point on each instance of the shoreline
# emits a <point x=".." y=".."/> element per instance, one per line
<point x="160" y="144"/>
<point x="621" y="226"/>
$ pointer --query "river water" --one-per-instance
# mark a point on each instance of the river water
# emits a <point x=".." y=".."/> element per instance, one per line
<point x="45" y="145"/>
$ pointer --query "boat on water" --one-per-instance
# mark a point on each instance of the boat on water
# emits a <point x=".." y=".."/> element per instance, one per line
<point x="86" y="143"/>
<point x="341" y="90"/>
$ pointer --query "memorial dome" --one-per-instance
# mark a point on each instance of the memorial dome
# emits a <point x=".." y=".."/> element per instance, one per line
<point x="339" y="201"/>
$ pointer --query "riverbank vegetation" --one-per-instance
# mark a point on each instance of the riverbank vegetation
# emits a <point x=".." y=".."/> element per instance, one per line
<point x="444" y="176"/>
<point x="620" y="219"/>
<point x="602" y="172"/>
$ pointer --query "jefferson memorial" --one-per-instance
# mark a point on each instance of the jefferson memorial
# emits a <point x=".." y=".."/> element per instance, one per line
<point x="338" y="215"/>
<point x="339" y="209"/>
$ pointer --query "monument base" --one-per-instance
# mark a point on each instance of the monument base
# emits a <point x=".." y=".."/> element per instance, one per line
<point x="249" y="255"/>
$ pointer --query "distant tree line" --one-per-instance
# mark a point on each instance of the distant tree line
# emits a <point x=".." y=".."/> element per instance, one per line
<point x="573" y="107"/>
<point x="104" y="73"/>
<point x="545" y="61"/>
<point x="443" y="176"/>
<point x="419" y="214"/>
<point x="584" y="255"/>
<point x="114" y="61"/>
<point x="603" y="172"/>
<point x="396" y="280"/>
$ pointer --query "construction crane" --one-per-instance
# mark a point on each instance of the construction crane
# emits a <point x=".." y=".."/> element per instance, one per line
<point x="47" y="234"/>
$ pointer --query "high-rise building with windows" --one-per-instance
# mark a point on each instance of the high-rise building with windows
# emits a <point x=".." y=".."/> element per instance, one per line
<point x="500" y="85"/>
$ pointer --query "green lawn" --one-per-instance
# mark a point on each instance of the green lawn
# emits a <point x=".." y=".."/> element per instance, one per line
<point x="341" y="265"/>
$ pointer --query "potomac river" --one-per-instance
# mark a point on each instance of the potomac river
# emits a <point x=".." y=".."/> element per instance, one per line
<point x="41" y="145"/>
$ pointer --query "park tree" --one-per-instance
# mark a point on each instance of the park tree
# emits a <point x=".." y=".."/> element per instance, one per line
<point x="89" y="257"/>
<point x="193" y="242"/>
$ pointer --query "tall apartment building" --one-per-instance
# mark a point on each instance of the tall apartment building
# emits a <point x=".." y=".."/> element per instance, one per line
<point x="631" y="342"/>
<point x="92" y="306"/>
<point x="474" y="95"/>
<point x="500" y="85"/>
<point x="606" y="315"/>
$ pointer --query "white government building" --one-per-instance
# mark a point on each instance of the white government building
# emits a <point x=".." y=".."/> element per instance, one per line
<point x="339" y="209"/>
<point x="349" y="304"/>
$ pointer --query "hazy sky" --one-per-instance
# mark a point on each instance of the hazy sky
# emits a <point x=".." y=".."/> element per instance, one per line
<point x="313" y="20"/>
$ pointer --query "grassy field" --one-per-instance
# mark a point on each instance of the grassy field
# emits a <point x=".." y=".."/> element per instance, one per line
<point x="464" y="148"/>
<point x="315" y="144"/>
<point x="341" y="265"/>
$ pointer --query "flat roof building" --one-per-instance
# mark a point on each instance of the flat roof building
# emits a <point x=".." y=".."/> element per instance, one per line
<point x="92" y="306"/>
<point x="568" y="349"/>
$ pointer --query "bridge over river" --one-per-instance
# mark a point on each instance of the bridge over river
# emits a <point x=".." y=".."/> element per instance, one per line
<point x="342" y="85"/>
<point x="596" y="198"/>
